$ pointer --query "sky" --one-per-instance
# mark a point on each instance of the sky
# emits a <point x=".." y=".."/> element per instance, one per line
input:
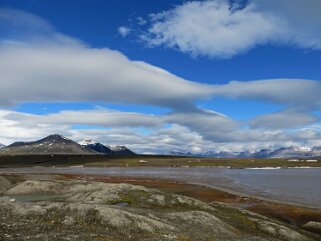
<point x="161" y="76"/>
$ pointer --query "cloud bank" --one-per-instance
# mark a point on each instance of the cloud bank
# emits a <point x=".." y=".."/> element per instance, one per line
<point x="223" y="28"/>
<point x="186" y="133"/>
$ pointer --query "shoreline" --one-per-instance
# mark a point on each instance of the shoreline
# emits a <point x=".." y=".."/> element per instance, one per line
<point x="291" y="213"/>
<point x="221" y="182"/>
<point x="216" y="188"/>
<point x="255" y="196"/>
<point x="224" y="184"/>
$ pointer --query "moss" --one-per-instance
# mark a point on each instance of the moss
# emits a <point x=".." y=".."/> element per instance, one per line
<point x="135" y="197"/>
<point x="236" y="218"/>
<point x="182" y="238"/>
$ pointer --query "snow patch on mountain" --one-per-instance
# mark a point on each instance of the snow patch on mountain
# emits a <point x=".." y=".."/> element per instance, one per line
<point x="86" y="142"/>
<point x="302" y="148"/>
<point x="117" y="148"/>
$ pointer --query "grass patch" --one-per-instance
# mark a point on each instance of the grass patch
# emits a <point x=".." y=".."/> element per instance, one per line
<point x="150" y="161"/>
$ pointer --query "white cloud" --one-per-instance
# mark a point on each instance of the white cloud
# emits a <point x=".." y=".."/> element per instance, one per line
<point x="141" y="21"/>
<point x="99" y="117"/>
<point x="14" y="21"/>
<point x="21" y="28"/>
<point x="284" y="119"/>
<point x="14" y="130"/>
<point x="297" y="93"/>
<point x="52" y="72"/>
<point x="50" y="66"/>
<point x="124" y="31"/>
<point x="221" y="28"/>
<point x="210" y="125"/>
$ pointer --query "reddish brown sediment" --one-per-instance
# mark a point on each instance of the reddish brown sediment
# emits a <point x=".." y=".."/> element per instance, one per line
<point x="295" y="215"/>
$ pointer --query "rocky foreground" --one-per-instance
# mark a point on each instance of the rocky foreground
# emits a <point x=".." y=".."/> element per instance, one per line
<point x="47" y="209"/>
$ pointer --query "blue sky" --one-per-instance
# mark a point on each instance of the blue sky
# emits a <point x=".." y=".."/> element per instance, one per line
<point x="189" y="102"/>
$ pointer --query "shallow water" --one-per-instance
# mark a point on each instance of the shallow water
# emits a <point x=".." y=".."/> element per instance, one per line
<point x="301" y="186"/>
<point x="34" y="197"/>
<point x="121" y="204"/>
<point x="292" y="185"/>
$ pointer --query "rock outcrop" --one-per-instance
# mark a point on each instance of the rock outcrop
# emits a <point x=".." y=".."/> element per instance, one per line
<point x="99" y="211"/>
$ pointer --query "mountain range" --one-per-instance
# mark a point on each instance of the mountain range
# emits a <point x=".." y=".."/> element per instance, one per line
<point x="60" y="145"/>
<point x="283" y="152"/>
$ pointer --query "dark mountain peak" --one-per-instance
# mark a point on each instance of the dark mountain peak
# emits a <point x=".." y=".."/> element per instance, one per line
<point x="17" y="143"/>
<point x="53" y="144"/>
<point x="316" y="148"/>
<point x="56" y="138"/>
<point x="180" y="153"/>
<point x="106" y="149"/>
<point x="121" y="150"/>
<point x="98" y="147"/>
<point x="49" y="139"/>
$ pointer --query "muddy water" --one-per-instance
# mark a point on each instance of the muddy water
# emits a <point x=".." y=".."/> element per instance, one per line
<point x="301" y="186"/>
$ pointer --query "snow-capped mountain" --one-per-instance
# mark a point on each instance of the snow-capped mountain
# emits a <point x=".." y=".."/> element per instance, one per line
<point x="180" y="153"/>
<point x="2" y="146"/>
<point x="121" y="150"/>
<point x="106" y="149"/>
<point x="204" y="154"/>
<point x="316" y="148"/>
<point x="96" y="146"/>
<point x="53" y="144"/>
<point x="295" y="151"/>
<point x="302" y="148"/>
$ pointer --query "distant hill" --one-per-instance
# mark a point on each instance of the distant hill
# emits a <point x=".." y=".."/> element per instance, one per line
<point x="283" y="152"/>
<point x="53" y="144"/>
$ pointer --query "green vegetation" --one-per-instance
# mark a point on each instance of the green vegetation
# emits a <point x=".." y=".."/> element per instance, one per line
<point x="150" y="161"/>
<point x="147" y="161"/>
